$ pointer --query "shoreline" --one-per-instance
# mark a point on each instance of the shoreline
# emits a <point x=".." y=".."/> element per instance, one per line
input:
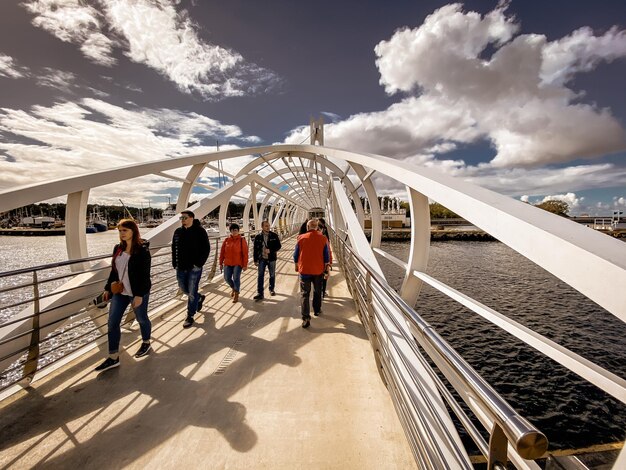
<point x="404" y="234"/>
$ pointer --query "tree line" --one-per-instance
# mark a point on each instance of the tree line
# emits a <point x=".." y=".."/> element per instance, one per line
<point x="112" y="213"/>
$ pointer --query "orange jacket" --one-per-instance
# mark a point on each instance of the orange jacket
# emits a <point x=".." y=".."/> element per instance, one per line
<point x="234" y="252"/>
<point x="312" y="253"/>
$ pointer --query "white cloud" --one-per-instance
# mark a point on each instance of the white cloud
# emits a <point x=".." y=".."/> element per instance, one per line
<point x="516" y="98"/>
<point x="571" y="199"/>
<point x="59" y="79"/>
<point x="74" y="138"/>
<point x="619" y="201"/>
<point x="8" y="68"/>
<point x="542" y="181"/>
<point x="75" y="22"/>
<point x="581" y="51"/>
<point x="407" y="59"/>
<point x="332" y="116"/>
<point x="524" y="198"/>
<point x="153" y="33"/>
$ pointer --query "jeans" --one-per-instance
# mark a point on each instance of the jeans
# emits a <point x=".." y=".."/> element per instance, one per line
<point x="188" y="281"/>
<point x="305" y="292"/>
<point x="271" y="267"/>
<point x="118" y="306"/>
<point x="232" y="276"/>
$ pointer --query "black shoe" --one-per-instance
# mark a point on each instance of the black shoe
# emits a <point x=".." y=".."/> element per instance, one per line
<point x="108" y="364"/>
<point x="200" y="302"/>
<point x="324" y="294"/>
<point x="317" y="314"/>
<point x="306" y="322"/>
<point x="272" y="293"/>
<point x="188" y="322"/>
<point x="258" y="297"/>
<point x="143" y="350"/>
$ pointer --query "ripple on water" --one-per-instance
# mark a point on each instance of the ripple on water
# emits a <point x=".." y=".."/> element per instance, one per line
<point x="571" y="412"/>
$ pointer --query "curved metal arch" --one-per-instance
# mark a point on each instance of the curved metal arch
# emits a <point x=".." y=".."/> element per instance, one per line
<point x="327" y="164"/>
<point x="294" y="188"/>
<point x="589" y="261"/>
<point x="250" y="166"/>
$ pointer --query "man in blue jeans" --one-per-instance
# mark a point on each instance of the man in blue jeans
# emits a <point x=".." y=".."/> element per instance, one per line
<point x="190" y="250"/>
<point x="266" y="244"/>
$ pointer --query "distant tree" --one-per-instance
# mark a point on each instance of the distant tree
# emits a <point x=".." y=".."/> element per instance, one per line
<point x="556" y="207"/>
<point x="407" y="206"/>
<point x="437" y="211"/>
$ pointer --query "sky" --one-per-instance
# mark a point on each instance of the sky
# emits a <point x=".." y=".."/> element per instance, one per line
<point x="526" y="98"/>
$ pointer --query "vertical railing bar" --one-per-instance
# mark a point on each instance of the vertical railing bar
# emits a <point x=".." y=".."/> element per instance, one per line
<point x="32" y="361"/>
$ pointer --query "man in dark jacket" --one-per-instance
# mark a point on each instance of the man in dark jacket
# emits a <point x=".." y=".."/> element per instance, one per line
<point x="190" y="250"/>
<point x="266" y="244"/>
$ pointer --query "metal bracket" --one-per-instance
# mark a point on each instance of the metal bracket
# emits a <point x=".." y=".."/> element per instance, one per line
<point x="497" y="449"/>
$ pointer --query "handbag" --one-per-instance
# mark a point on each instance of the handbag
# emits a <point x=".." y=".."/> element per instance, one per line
<point x="117" y="287"/>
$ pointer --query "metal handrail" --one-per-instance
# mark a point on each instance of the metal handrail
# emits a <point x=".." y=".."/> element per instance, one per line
<point x="525" y="438"/>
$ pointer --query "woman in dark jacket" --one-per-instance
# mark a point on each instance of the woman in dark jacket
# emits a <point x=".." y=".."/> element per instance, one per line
<point x="129" y="283"/>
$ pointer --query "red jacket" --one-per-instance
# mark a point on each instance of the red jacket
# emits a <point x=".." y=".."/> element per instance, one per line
<point x="312" y="253"/>
<point x="234" y="252"/>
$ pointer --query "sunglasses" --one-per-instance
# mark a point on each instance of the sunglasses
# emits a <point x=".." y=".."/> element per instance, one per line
<point x="183" y="217"/>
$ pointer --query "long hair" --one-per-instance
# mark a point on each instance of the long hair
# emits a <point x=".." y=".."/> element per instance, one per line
<point x="135" y="242"/>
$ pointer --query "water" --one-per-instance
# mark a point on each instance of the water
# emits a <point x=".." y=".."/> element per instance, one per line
<point x="25" y="252"/>
<point x="572" y="413"/>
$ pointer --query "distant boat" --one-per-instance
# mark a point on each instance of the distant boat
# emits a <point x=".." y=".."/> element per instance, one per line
<point x="169" y="213"/>
<point x="95" y="219"/>
<point x="91" y="228"/>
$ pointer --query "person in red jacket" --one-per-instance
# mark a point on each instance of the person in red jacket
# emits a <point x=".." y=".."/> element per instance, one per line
<point x="311" y="258"/>
<point x="233" y="260"/>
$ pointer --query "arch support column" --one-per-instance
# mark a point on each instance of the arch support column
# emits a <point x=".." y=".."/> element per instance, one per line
<point x="187" y="187"/>
<point x="76" y="227"/>
<point x="255" y="209"/>
<point x="375" y="212"/>
<point x="420" y="245"/>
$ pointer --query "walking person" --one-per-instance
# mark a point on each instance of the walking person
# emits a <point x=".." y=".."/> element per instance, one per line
<point x="128" y="284"/>
<point x="311" y="258"/>
<point x="233" y="260"/>
<point x="266" y="245"/>
<point x="324" y="230"/>
<point x="190" y="250"/>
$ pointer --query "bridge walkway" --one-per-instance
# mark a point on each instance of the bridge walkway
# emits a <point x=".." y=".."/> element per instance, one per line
<point x="245" y="387"/>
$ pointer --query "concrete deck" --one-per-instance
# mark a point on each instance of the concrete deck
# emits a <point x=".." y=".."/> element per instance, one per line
<point x="245" y="387"/>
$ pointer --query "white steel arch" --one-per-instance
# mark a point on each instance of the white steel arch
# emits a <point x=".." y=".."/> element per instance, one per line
<point x="589" y="261"/>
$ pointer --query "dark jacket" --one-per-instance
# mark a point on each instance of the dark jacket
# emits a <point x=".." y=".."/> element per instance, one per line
<point x="273" y="243"/>
<point x="190" y="247"/>
<point x="138" y="270"/>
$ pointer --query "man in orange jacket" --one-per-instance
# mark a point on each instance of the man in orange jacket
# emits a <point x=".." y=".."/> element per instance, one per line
<point x="311" y="258"/>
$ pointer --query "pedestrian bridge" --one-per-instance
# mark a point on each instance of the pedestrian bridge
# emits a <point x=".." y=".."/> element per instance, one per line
<point x="247" y="387"/>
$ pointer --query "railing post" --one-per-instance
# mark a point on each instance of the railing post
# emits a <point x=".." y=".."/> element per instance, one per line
<point x="32" y="360"/>
<point x="497" y="449"/>
<point x="213" y="270"/>
<point x="371" y="326"/>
